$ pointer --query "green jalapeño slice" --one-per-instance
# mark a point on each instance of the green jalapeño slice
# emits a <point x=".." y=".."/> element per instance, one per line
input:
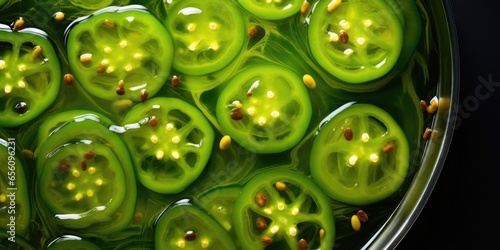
<point x="120" y="52"/>
<point x="360" y="155"/>
<point x="14" y="200"/>
<point x="170" y="141"/>
<point x="272" y="9"/>
<point x="184" y="225"/>
<point x="356" y="41"/>
<point x="283" y="209"/>
<point x="85" y="177"/>
<point x="265" y="108"/>
<point x="30" y="75"/>
<point x="207" y="35"/>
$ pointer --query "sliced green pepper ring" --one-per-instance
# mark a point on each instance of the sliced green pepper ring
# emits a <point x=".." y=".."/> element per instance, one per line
<point x="208" y="35"/>
<point x="278" y="208"/>
<point x="30" y="75"/>
<point x="265" y="108"/>
<point x="14" y="191"/>
<point x="75" y="186"/>
<point x="360" y="155"/>
<point x="272" y="9"/>
<point x="77" y="146"/>
<point x="183" y="225"/>
<point x="115" y="54"/>
<point x="357" y="42"/>
<point x="71" y="242"/>
<point x="60" y="119"/>
<point x="170" y="141"/>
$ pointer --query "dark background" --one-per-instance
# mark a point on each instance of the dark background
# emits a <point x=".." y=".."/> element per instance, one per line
<point x="462" y="212"/>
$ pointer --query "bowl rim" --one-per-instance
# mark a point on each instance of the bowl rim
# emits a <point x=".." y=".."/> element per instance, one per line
<point x="434" y="154"/>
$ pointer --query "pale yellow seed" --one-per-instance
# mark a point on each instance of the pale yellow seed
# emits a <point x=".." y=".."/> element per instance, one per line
<point x="334" y="37"/>
<point x="110" y="70"/>
<point x="281" y="206"/>
<point x="345" y="24"/>
<point x="78" y="197"/>
<point x="108" y="50"/>
<point x="281" y="186"/>
<point x="138" y="56"/>
<point x="361" y="41"/>
<point x="36" y="51"/>
<point x="321" y="233"/>
<point x="21" y="84"/>
<point x="7" y="89"/>
<point x="70" y="186"/>
<point x="98" y="182"/>
<point x="275" y="229"/>
<point x="123" y="104"/>
<point x="154" y="139"/>
<point x="213" y="26"/>
<point x="191" y="27"/>
<point x="355" y="223"/>
<point x="176" y="139"/>
<point x="176" y="155"/>
<point x="160" y="155"/>
<point x="76" y="173"/>
<point x="225" y="142"/>
<point x="365" y="137"/>
<point x="251" y="111"/>
<point x="169" y="126"/>
<point x="292" y="231"/>
<point x="309" y="81"/>
<point x="295" y="211"/>
<point x="352" y="160"/>
<point x="90" y="193"/>
<point x="2" y="64"/>
<point x="91" y="170"/>
<point x="21" y="67"/>
<point x="214" y="46"/>
<point x="3" y="198"/>
<point x="275" y="114"/>
<point x="348" y="52"/>
<point x="59" y="16"/>
<point x="262" y="121"/>
<point x="128" y="68"/>
<point x="123" y="44"/>
<point x="86" y="58"/>
<point x="205" y="244"/>
<point x="270" y="94"/>
<point x="432" y="108"/>
<point x="374" y="158"/>
<point x="333" y="5"/>
<point x="181" y="244"/>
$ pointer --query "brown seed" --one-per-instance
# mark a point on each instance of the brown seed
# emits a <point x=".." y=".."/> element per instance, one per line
<point x="427" y="133"/>
<point x="89" y="155"/>
<point x="120" y="91"/>
<point x="84" y="165"/>
<point x="253" y="31"/>
<point x="261" y="199"/>
<point x="144" y="95"/>
<point x="237" y="115"/>
<point x="281" y="186"/>
<point x="388" y="147"/>
<point x="302" y="244"/>
<point x="100" y="70"/>
<point x="363" y="217"/>
<point x="189" y="236"/>
<point x="304" y="8"/>
<point x="266" y="240"/>
<point x="343" y="37"/>
<point x="37" y="51"/>
<point x="21" y="107"/>
<point x="348" y="134"/>
<point x="249" y="93"/>
<point x="423" y="105"/>
<point x="28" y="154"/>
<point x="110" y="24"/>
<point x="176" y="81"/>
<point x="64" y="166"/>
<point x="138" y="216"/>
<point x="69" y="79"/>
<point x="19" y="24"/>
<point x="261" y="223"/>
<point x="153" y="122"/>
